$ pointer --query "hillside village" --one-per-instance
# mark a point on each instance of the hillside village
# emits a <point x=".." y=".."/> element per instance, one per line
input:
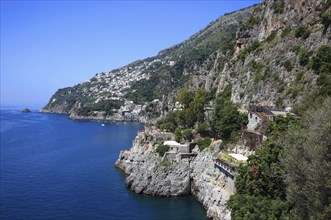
<point x="113" y="85"/>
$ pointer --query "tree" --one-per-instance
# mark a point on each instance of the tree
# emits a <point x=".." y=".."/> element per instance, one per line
<point x="178" y="135"/>
<point x="187" y="134"/>
<point x="201" y="97"/>
<point x="322" y="66"/>
<point x="307" y="162"/>
<point x="260" y="187"/>
<point x="227" y="119"/>
<point x="184" y="97"/>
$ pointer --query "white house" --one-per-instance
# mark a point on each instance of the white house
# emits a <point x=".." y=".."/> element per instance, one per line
<point x="176" y="147"/>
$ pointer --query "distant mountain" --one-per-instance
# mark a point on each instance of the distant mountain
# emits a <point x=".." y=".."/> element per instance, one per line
<point x="267" y="52"/>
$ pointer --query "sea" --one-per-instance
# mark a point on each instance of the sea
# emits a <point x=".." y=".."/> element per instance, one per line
<point x="56" y="168"/>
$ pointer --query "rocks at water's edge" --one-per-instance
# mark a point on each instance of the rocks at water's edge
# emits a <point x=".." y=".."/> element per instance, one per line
<point x="149" y="174"/>
<point x="25" y="110"/>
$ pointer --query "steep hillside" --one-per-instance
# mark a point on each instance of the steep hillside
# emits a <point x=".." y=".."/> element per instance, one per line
<point x="267" y="52"/>
<point x="275" y="49"/>
<point x="152" y="78"/>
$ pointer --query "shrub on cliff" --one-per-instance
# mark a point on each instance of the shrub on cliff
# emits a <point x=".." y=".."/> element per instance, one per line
<point x="187" y="134"/>
<point x="302" y="32"/>
<point x="278" y="6"/>
<point x="321" y="63"/>
<point x="303" y="57"/>
<point x="161" y="149"/>
<point x="203" y="143"/>
<point x="326" y="19"/>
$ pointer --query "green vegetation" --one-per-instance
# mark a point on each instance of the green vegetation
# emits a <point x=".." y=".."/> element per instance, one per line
<point x="278" y="6"/>
<point x="104" y="105"/>
<point x="289" y="176"/>
<point x="187" y="134"/>
<point x="257" y="66"/>
<point x="192" y="111"/>
<point x="261" y="192"/>
<point x="257" y="79"/>
<point x="303" y="57"/>
<point x="302" y="32"/>
<point x="252" y="21"/>
<point x="299" y="76"/>
<point x="161" y="149"/>
<point x="203" y="143"/>
<point x="306" y="159"/>
<point x="225" y="120"/>
<point x="296" y="49"/>
<point x="287" y="64"/>
<point x="280" y="126"/>
<point x="250" y="48"/>
<point x="226" y="117"/>
<point x="321" y="63"/>
<point x="326" y="19"/>
<point x="204" y="128"/>
<point x="229" y="159"/>
<point x="302" y="53"/>
<point x="286" y="32"/>
<point x="178" y="135"/>
<point x="279" y="102"/>
<point x="272" y="36"/>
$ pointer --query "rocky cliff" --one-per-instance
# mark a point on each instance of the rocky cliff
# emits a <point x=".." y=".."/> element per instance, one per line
<point x="149" y="174"/>
<point x="274" y="49"/>
<point x="264" y="51"/>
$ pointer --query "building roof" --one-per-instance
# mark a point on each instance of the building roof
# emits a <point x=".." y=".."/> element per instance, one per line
<point x="171" y="143"/>
<point x="238" y="156"/>
<point x="174" y="143"/>
<point x="261" y="110"/>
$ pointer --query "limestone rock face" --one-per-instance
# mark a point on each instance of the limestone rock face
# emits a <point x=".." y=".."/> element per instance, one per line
<point x="270" y="71"/>
<point x="209" y="186"/>
<point x="148" y="174"/>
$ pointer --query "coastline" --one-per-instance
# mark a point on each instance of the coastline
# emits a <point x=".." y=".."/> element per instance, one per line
<point x="147" y="173"/>
<point x="105" y="119"/>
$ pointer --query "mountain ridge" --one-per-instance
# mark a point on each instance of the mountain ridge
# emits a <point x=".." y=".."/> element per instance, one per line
<point x="258" y="50"/>
<point x="167" y="71"/>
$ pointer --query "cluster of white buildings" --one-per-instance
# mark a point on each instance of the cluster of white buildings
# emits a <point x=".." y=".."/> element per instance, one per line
<point x="112" y="85"/>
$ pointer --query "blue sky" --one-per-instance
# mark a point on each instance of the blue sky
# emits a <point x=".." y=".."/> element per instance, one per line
<point x="46" y="45"/>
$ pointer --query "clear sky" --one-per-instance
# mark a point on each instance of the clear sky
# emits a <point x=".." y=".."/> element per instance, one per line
<point x="46" y="45"/>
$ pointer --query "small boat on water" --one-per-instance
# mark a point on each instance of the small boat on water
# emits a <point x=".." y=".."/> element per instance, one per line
<point x="102" y="125"/>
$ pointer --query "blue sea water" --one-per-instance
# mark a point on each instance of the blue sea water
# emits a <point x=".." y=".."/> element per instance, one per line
<point x="55" y="168"/>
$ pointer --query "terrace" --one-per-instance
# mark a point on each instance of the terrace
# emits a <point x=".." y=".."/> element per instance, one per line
<point x="228" y="163"/>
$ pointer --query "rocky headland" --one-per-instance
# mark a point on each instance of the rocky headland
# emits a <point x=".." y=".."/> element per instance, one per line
<point x="148" y="173"/>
